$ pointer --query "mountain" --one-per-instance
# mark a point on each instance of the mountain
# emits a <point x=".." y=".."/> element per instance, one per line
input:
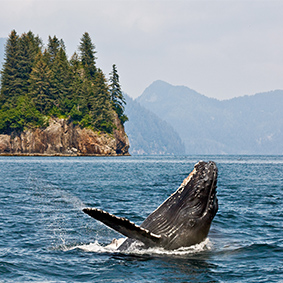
<point x="243" y="125"/>
<point x="148" y="134"/>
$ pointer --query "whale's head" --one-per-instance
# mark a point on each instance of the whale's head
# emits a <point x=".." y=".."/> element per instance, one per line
<point x="198" y="191"/>
<point x="198" y="203"/>
<point x="184" y="219"/>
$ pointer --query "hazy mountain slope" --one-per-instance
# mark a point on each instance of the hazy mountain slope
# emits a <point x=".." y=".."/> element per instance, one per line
<point x="148" y="134"/>
<point x="258" y="121"/>
<point x="244" y="125"/>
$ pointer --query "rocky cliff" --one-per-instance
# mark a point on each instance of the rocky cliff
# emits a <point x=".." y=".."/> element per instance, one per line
<point x="64" y="138"/>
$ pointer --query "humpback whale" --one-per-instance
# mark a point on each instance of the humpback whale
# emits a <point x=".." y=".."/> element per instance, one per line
<point x="182" y="220"/>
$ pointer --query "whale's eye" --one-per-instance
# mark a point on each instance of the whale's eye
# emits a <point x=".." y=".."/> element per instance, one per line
<point x="192" y="223"/>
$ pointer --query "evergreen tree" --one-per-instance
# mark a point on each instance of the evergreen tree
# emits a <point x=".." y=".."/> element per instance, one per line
<point x="23" y="115"/>
<point x="40" y="85"/>
<point x="117" y="98"/>
<point x="36" y="42"/>
<point x="53" y="47"/>
<point x="103" y="117"/>
<point x="75" y="62"/>
<point x="10" y="71"/>
<point x="36" y="85"/>
<point x="75" y="89"/>
<point x="87" y="55"/>
<point x="86" y="103"/>
<point x="28" y="49"/>
<point x="60" y="79"/>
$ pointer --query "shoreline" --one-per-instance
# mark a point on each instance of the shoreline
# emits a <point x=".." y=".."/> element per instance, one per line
<point x="62" y="155"/>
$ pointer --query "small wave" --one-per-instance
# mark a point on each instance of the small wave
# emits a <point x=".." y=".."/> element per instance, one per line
<point x="93" y="247"/>
<point x="203" y="246"/>
<point x="252" y="250"/>
<point x="137" y="250"/>
<point x="262" y="248"/>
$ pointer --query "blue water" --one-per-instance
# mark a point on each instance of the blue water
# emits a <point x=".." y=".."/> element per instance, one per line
<point x="44" y="235"/>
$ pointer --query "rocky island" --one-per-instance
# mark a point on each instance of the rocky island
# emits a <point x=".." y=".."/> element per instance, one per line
<point x="50" y="105"/>
<point x="61" y="138"/>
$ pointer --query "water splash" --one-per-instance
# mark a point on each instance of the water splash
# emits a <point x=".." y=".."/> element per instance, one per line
<point x="43" y="190"/>
<point x="71" y="199"/>
<point x="203" y="246"/>
<point x="52" y="202"/>
<point x="137" y="250"/>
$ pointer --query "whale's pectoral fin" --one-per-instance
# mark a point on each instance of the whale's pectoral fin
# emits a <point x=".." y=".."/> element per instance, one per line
<point x="124" y="226"/>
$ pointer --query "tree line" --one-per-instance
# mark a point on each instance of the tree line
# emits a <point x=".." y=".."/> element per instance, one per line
<point x="38" y="83"/>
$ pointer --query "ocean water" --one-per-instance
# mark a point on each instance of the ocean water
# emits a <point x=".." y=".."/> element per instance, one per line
<point x="45" y="236"/>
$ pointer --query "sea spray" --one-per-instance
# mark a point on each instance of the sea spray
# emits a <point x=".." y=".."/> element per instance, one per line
<point x="135" y="249"/>
<point x="50" y="202"/>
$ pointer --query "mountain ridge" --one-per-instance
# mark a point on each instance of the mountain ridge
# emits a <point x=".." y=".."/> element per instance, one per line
<point x="148" y="134"/>
<point x="241" y="125"/>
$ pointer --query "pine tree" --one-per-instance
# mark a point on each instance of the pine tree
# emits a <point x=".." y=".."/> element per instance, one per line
<point x="75" y="89"/>
<point x="40" y="85"/>
<point x="117" y="98"/>
<point x="60" y="80"/>
<point x="28" y="49"/>
<point x="10" y="72"/>
<point x="87" y="55"/>
<point x="103" y="117"/>
<point x="53" y="47"/>
<point x="23" y="115"/>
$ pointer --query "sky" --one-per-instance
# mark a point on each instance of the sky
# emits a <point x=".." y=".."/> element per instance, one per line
<point x="222" y="49"/>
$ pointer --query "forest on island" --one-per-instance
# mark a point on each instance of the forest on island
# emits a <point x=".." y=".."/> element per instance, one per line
<point x="40" y="82"/>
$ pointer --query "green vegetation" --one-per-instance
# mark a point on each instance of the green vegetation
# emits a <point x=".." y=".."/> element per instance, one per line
<point x="117" y="98"/>
<point x="38" y="83"/>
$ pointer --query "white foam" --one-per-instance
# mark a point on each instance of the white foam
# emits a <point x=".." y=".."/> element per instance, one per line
<point x="203" y="246"/>
<point x="137" y="250"/>
<point x="92" y="247"/>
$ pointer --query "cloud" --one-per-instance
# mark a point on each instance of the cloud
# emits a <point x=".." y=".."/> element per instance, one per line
<point x="219" y="48"/>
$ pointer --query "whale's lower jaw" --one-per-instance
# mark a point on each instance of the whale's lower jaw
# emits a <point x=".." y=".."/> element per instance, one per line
<point x="183" y="220"/>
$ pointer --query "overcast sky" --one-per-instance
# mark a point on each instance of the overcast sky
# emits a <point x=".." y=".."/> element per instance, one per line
<point x="222" y="49"/>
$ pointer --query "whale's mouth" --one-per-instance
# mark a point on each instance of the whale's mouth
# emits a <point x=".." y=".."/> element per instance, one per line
<point x="212" y="202"/>
<point x="201" y="196"/>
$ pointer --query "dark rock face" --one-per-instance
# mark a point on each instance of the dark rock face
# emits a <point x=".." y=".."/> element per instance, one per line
<point x="63" y="138"/>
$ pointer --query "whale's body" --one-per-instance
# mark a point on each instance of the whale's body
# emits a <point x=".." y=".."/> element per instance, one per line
<point x="183" y="220"/>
